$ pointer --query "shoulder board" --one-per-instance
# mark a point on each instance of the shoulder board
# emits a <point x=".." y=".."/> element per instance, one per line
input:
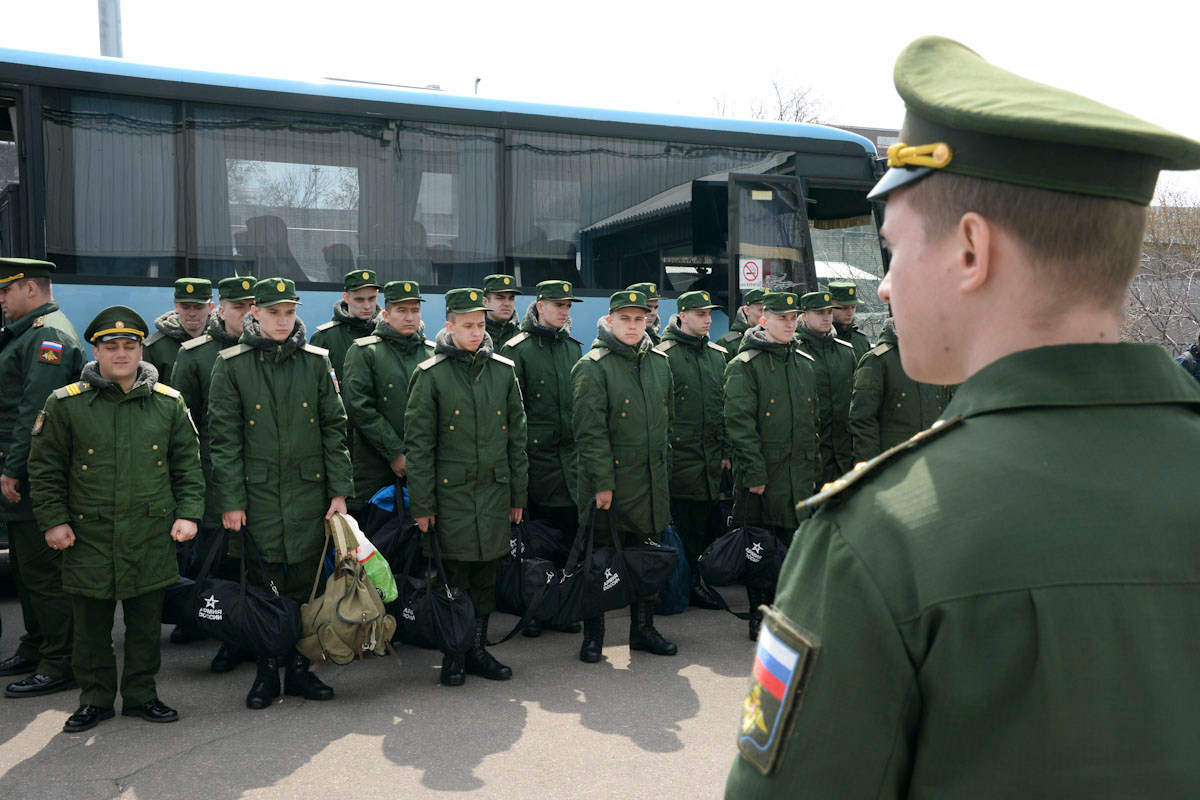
<point x="363" y="341"/>
<point x="503" y="360"/>
<point x="576" y="341"/>
<point x="516" y="340"/>
<point x="864" y="468"/>
<point x="316" y="351"/>
<point x="748" y="354"/>
<point x="658" y="352"/>
<point x="429" y="343"/>
<point x="236" y="350"/>
<point x="39" y="322"/>
<point x="597" y="353"/>
<point x="717" y="347"/>
<point x="154" y="337"/>
<point x="800" y="352"/>
<point x="429" y="362"/>
<point x="841" y="341"/>
<point x="333" y="323"/>
<point x="880" y="349"/>
<point x="72" y="389"/>
<point x="665" y="346"/>
<point x="162" y="388"/>
<point x="199" y="340"/>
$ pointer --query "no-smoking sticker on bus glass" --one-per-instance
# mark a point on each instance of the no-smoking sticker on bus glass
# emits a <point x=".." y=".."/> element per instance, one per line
<point x="750" y="273"/>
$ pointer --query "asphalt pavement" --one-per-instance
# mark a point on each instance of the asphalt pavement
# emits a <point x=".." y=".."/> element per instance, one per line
<point x="633" y="726"/>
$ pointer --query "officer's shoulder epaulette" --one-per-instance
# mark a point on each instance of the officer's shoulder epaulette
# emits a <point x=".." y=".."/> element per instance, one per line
<point x="663" y="347"/>
<point x="516" y="340"/>
<point x="800" y="352"/>
<point x="236" y="350"/>
<point x="597" y="353"/>
<point x="880" y="348"/>
<point x="864" y="468"/>
<point x="658" y="352"/>
<point x="718" y="348"/>
<point x="154" y="337"/>
<point x="39" y="322"/>
<point x="316" y="351"/>
<point x="363" y="341"/>
<point x="429" y="362"/>
<point x="503" y="360"/>
<point x="747" y="354"/>
<point x="430" y="343"/>
<point x="333" y="323"/>
<point x="199" y="340"/>
<point x="163" y="389"/>
<point x="843" y="341"/>
<point x="72" y="389"/>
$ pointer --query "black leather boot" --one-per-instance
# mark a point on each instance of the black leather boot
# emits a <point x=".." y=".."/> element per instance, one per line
<point x="479" y="661"/>
<point x="299" y="682"/>
<point x="533" y="629"/>
<point x="453" y="670"/>
<point x="593" y="640"/>
<point x="228" y="658"/>
<point x="757" y="597"/>
<point x="702" y="595"/>
<point x="642" y="635"/>
<point x="265" y="688"/>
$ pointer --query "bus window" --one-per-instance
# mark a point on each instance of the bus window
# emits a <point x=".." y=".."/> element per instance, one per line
<point x="846" y="247"/>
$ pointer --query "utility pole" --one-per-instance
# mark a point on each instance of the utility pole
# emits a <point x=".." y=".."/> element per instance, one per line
<point x="110" y="28"/>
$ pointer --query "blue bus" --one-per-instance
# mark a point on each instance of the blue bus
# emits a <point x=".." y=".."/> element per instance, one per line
<point x="128" y="176"/>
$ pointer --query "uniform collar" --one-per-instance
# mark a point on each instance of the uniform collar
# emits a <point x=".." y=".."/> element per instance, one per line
<point x="17" y="327"/>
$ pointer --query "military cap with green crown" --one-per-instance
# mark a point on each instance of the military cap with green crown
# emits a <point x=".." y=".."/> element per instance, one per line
<point x="15" y="269"/>
<point x="238" y="287"/>
<point x="116" y="322"/>
<point x="396" y="291"/>
<point x="816" y="301"/>
<point x="630" y="298"/>
<point x="967" y="117"/>
<point x="193" y="290"/>
<point x="781" y="302"/>
<point x="647" y="288"/>
<point x="270" y="291"/>
<point x="500" y="283"/>
<point x="845" y="293"/>
<point x="464" y="301"/>
<point x="357" y="279"/>
<point x="556" y="290"/>
<point x="690" y="301"/>
<point x="754" y="296"/>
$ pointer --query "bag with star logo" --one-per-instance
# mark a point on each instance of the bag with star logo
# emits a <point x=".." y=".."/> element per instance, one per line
<point x="748" y="555"/>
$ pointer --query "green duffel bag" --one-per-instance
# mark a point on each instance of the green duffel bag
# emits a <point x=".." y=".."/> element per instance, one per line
<point x="348" y="621"/>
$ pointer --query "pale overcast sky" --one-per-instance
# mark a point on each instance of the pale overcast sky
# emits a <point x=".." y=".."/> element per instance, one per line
<point x="669" y="57"/>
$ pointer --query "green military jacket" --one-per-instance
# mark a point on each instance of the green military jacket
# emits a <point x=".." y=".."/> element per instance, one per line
<point x="339" y="333"/>
<point x="38" y="353"/>
<point x="162" y="346"/>
<point x="622" y="420"/>
<point x="833" y="367"/>
<point x="277" y="432"/>
<point x="542" y="359"/>
<point x="120" y="468"/>
<point x="375" y="390"/>
<point x="732" y="340"/>
<point x="501" y="332"/>
<point x="465" y="430"/>
<point x="772" y="419"/>
<point x="698" y="432"/>
<point x="193" y="377"/>
<point x="857" y="339"/>
<point x="1007" y="606"/>
<point x="887" y="407"/>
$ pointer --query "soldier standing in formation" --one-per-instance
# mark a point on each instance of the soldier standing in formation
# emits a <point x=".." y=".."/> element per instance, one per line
<point x="115" y="475"/>
<point x="500" y="301"/>
<point x="277" y="432"/>
<point x="699" y="450"/>
<point x="354" y="316"/>
<point x="467" y="469"/>
<point x="193" y="302"/>
<point x="39" y="351"/>
<point x="833" y="367"/>
<point x="652" y="299"/>
<point x="622" y="420"/>
<point x="845" y="304"/>
<point x="746" y="318"/>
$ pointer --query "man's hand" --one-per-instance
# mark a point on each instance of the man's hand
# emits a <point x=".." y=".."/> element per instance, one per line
<point x="8" y="488"/>
<point x="336" y="506"/>
<point x="60" y="537"/>
<point x="424" y="522"/>
<point x="515" y="515"/>
<point x="398" y="465"/>
<point x="183" y="530"/>
<point x="604" y="499"/>
<point x="726" y="463"/>
<point x="758" y="489"/>
<point x="233" y="520"/>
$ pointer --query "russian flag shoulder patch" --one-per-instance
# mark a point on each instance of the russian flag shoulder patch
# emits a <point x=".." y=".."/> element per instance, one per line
<point x="51" y="352"/>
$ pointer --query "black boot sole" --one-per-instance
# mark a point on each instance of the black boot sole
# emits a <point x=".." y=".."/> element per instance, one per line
<point x="591" y="657"/>
<point x="103" y="715"/>
<point x="130" y="712"/>
<point x="58" y="687"/>
<point x="645" y="648"/>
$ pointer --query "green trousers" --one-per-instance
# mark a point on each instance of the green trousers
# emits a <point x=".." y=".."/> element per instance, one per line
<point x="95" y="661"/>
<point x="477" y="579"/>
<point x="46" y="609"/>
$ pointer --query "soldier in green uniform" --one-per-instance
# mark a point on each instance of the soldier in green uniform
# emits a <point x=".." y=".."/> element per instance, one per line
<point x="115" y="474"/>
<point x="771" y="415"/>
<point x="193" y="303"/>
<point x="746" y="318"/>
<point x="887" y="406"/>
<point x="622" y="420"/>
<point x="354" y="316"/>
<point x="375" y="389"/>
<point x="699" y="450"/>
<point x="542" y="355"/>
<point x="39" y="351"/>
<point x="652" y="297"/>
<point x="1005" y="605"/>
<point x="193" y="378"/>
<point x="277" y="435"/>
<point x="833" y="367"/>
<point x="500" y="302"/>
<point x="468" y="471"/>
<point x="845" y="305"/>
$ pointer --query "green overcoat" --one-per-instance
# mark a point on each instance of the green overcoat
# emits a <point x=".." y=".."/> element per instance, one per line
<point x="162" y="346"/>
<point x="732" y="340"/>
<point x="339" y="333"/>
<point x="501" y="332"/>
<point x="833" y="368"/>
<point x="120" y="468"/>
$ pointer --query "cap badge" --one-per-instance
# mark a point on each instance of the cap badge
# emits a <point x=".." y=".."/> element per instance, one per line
<point x="281" y="287"/>
<point x="507" y="280"/>
<point x="790" y="300"/>
<point x="652" y="287"/>
<point x="826" y="298"/>
<point x="190" y="288"/>
<point x="566" y="287"/>
<point x="245" y="284"/>
<point x="766" y="291"/>
<point x="704" y="295"/>
<point x="632" y="296"/>
<point x="118" y="324"/>
<point x="408" y="287"/>
<point x="851" y="291"/>
<point x="366" y="276"/>
<point x="474" y="296"/>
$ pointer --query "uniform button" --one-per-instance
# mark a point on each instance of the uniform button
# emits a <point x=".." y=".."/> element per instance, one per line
<point x="622" y="413"/>
<point x="897" y="405"/>
<point x="318" y="474"/>
<point x="385" y="398"/>
<point x="81" y="516"/>
<point x="542" y="382"/>
<point x="616" y="461"/>
<point x="768" y="413"/>
<point x="90" y="451"/>
<point x="389" y="386"/>
<point x="257" y="406"/>
<point x="902" y="394"/>
<point x="535" y="441"/>
<point x="312" y="419"/>
<point x="539" y="394"/>
<point x="771" y="401"/>
<point x="85" y="466"/>
<point x="456" y="412"/>
<point x="305" y="405"/>
<point x="445" y="480"/>
<point x="505" y="427"/>
<point x="451" y="427"/>
<point x="160" y="463"/>
<point x="626" y="401"/>
<point x="497" y="413"/>
<point x="155" y="447"/>
<point x="681" y="397"/>
<point x="685" y="387"/>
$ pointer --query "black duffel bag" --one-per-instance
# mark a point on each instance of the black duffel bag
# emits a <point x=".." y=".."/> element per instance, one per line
<point x="545" y="541"/>
<point x="429" y="612"/>
<point x="393" y="533"/>
<point x="251" y="618"/>
<point x="522" y="576"/>
<point x="748" y="555"/>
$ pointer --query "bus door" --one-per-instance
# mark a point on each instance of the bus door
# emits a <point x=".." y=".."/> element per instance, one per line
<point x="769" y="243"/>
<point x="10" y="185"/>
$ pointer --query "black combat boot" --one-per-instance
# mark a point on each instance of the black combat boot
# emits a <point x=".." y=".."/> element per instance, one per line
<point x="533" y="628"/>
<point x="642" y="635"/>
<point x="266" y="683"/>
<point x="228" y="658"/>
<point x="757" y="598"/>
<point x="593" y="640"/>
<point x="702" y="595"/>
<point x="479" y="661"/>
<point x="453" y="673"/>
<point x="299" y="682"/>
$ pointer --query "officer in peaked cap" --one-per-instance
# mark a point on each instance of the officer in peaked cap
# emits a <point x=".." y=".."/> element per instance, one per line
<point x="1005" y="605"/>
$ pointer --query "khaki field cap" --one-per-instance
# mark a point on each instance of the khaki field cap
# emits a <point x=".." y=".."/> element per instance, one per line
<point x="239" y="287"/>
<point x="193" y="290"/>
<point x="500" y="283"/>
<point x="627" y="299"/>
<point x="357" y="279"/>
<point x="464" y="301"/>
<point x="816" y="301"/>
<point x="270" y="291"/>
<point x="967" y="117"/>
<point x="781" y="302"/>
<point x="556" y="290"/>
<point x="690" y="301"/>
<point x="845" y="293"/>
<point x="395" y="291"/>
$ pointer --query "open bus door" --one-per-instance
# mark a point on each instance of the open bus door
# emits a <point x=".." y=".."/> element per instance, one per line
<point x="10" y="186"/>
<point x="769" y="242"/>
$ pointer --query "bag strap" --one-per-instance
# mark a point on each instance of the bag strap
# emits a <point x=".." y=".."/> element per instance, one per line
<point x="320" y="564"/>
<point x="211" y="557"/>
<point x="743" y="615"/>
<point x="530" y="611"/>
<point x="248" y="539"/>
